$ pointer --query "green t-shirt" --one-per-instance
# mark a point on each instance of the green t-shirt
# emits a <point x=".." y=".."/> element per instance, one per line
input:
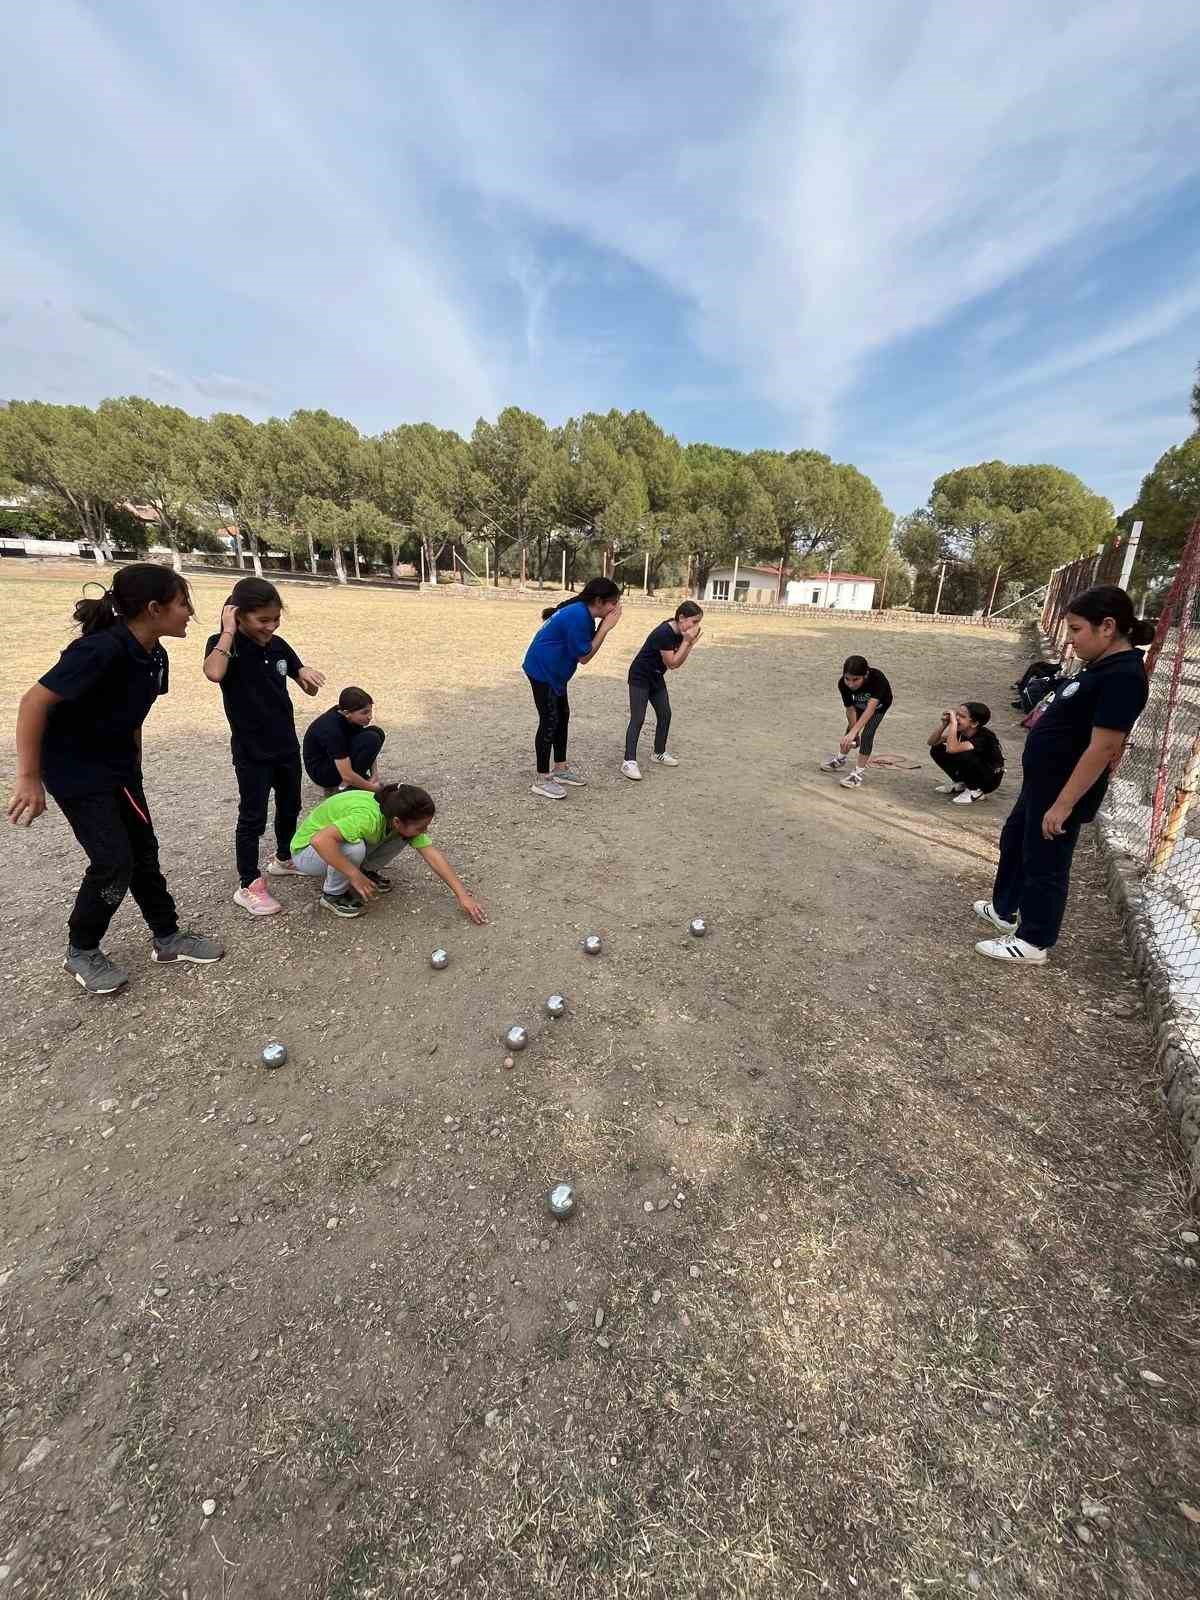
<point x="356" y="815"/>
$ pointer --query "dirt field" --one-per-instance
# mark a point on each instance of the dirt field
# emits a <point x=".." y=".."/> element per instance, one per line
<point x="876" y="1242"/>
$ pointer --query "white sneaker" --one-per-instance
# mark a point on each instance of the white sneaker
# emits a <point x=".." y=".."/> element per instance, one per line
<point x="950" y="788"/>
<point x="833" y="763"/>
<point x="665" y="759"/>
<point x="630" y="769"/>
<point x="853" y="780"/>
<point x="967" y="798"/>
<point x="987" y="911"/>
<point x="1012" y="949"/>
<point x="548" y="789"/>
<point x="282" y="869"/>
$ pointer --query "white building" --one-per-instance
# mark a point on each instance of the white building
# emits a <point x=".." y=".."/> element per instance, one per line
<point x="756" y="586"/>
<point x="835" y="591"/>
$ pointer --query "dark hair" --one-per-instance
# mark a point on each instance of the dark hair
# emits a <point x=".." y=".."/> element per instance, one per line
<point x="354" y="700"/>
<point x="254" y="594"/>
<point x="404" y="802"/>
<point x="978" y="712"/>
<point x="688" y="608"/>
<point x="133" y="589"/>
<point x="593" y="589"/>
<point x="855" y="667"/>
<point x="1106" y="600"/>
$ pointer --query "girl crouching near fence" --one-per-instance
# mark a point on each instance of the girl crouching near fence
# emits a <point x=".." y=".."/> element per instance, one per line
<point x="1076" y="739"/>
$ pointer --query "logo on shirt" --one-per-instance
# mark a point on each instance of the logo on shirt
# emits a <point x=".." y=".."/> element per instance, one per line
<point x="1072" y="688"/>
<point x="281" y="667"/>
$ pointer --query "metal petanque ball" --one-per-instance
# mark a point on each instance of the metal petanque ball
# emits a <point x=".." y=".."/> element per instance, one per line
<point x="516" y="1038"/>
<point x="697" y="927"/>
<point x="561" y="1200"/>
<point x="439" y="960"/>
<point x="556" y="1005"/>
<point x="274" y="1055"/>
<point x="593" y="944"/>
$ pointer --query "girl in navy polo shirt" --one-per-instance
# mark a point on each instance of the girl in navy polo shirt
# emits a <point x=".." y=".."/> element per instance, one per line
<point x="1077" y="738"/>
<point x="79" y="736"/>
<point x="568" y="638"/>
<point x="252" y="663"/>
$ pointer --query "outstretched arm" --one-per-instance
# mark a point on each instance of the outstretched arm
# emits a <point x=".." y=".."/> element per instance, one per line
<point x="437" y="863"/>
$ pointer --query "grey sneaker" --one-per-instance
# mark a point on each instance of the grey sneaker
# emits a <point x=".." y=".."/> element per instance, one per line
<point x="343" y="905"/>
<point x="548" y="789"/>
<point x="833" y="763"/>
<point x="569" y="775"/>
<point x="187" y="946"/>
<point x="94" y="971"/>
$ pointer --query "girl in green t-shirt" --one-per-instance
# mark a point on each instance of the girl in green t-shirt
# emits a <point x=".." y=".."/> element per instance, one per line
<point x="349" y="836"/>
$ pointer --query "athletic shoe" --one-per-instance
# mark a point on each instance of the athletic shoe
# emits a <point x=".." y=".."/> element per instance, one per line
<point x="1013" y="949"/>
<point x="985" y="910"/>
<point x="852" y="780"/>
<point x="548" y="789"/>
<point x="384" y="885"/>
<point x="834" y="763"/>
<point x="950" y="788"/>
<point x="187" y="946"/>
<point x="283" y="869"/>
<point x="630" y="769"/>
<point x="344" y="904"/>
<point x="94" y="972"/>
<point x="664" y="760"/>
<point x="968" y="797"/>
<point x="257" y="899"/>
<point x="569" y="775"/>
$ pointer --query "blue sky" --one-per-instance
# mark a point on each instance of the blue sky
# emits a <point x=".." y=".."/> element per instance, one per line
<point x="916" y="234"/>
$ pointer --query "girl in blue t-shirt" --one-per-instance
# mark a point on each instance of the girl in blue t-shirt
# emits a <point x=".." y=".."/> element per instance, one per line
<point x="568" y="638"/>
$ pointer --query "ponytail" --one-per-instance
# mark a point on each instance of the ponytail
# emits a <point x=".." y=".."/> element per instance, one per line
<point x="404" y="802"/>
<point x="594" y="589"/>
<point x="1106" y="600"/>
<point x="133" y="589"/>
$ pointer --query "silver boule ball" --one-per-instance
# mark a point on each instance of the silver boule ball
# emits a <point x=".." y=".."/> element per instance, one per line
<point x="556" y="1005"/>
<point x="697" y="927"/>
<point x="274" y="1055"/>
<point x="516" y="1038"/>
<point x="439" y="960"/>
<point x="561" y="1200"/>
<point x="593" y="944"/>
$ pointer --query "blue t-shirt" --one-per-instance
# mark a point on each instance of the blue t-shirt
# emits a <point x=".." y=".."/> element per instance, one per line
<point x="559" y="645"/>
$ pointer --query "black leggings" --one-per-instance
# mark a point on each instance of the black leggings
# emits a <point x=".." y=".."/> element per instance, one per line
<point x="117" y="836"/>
<point x="255" y="780"/>
<point x="554" y="717"/>
<point x="967" y="768"/>
<point x="640" y="696"/>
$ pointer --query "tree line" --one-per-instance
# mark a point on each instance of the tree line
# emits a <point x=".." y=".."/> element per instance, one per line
<point x="1168" y="501"/>
<point x="612" y="493"/>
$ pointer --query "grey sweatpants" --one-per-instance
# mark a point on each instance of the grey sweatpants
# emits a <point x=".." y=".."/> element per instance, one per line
<point x="312" y="865"/>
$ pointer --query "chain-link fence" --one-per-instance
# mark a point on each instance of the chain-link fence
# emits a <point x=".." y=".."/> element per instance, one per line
<point x="1150" y="810"/>
<point x="1110" y="564"/>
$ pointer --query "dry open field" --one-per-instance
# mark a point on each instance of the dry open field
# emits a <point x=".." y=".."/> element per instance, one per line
<point x="875" y="1240"/>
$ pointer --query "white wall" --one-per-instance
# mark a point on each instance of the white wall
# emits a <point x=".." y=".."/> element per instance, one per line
<point x="844" y="595"/>
<point x="761" y="587"/>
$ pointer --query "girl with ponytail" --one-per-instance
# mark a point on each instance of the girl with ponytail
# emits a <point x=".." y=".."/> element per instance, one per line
<point x="570" y="636"/>
<point x="79" y="736"/>
<point x="1075" y="740"/>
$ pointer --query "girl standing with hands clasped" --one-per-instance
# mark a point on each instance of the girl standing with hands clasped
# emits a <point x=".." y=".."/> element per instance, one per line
<point x="1077" y="738"/>
<point x="666" y="649"/>
<point x="252" y="663"/>
<point x="79" y="735"/>
<point x="570" y="636"/>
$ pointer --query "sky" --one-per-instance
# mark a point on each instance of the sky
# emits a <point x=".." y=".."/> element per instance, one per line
<point x="915" y="234"/>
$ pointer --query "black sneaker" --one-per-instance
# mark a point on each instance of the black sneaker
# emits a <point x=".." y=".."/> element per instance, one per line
<point x="384" y="885"/>
<point x="343" y="905"/>
<point x="93" y="971"/>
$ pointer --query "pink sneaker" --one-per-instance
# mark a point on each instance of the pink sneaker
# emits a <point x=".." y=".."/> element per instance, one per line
<point x="257" y="899"/>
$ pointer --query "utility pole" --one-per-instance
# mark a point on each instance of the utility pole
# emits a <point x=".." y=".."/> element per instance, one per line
<point x="646" y="576"/>
<point x="941" y="581"/>
<point x="883" y="588"/>
<point x="992" y="596"/>
<point x="1135" y="538"/>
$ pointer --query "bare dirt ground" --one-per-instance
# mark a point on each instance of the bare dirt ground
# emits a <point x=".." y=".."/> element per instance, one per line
<point x="876" y="1242"/>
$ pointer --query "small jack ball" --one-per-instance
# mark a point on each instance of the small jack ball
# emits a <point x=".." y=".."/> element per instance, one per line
<point x="697" y="927"/>
<point x="274" y="1055"/>
<point x="439" y="960"/>
<point x="593" y="944"/>
<point x="561" y="1200"/>
<point x="516" y="1038"/>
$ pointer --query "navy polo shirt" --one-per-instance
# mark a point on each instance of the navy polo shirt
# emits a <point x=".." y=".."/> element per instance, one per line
<point x="327" y="739"/>
<point x="257" y="703"/>
<point x="647" y="666"/>
<point x="108" y="683"/>
<point x="1109" y="693"/>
